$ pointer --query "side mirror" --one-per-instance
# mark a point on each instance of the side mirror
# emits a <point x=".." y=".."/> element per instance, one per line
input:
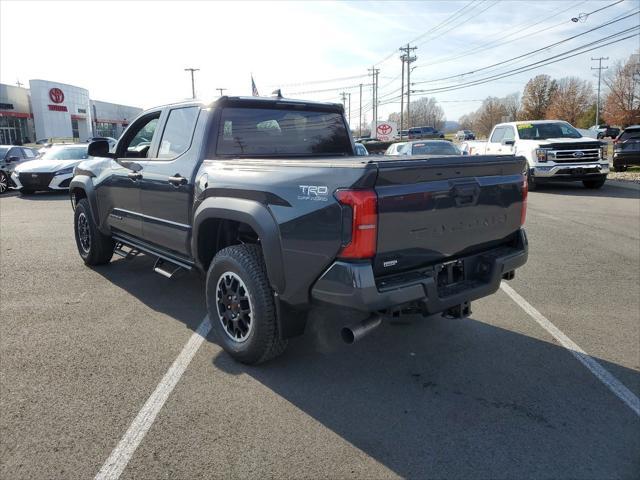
<point x="13" y="159"/>
<point x="464" y="152"/>
<point x="100" y="148"/>
<point x="509" y="142"/>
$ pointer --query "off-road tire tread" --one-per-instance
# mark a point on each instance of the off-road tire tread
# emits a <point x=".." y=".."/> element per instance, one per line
<point x="251" y="259"/>
<point x="101" y="245"/>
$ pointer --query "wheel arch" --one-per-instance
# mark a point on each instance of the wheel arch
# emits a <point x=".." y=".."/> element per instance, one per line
<point x="207" y="220"/>
<point x="82" y="187"/>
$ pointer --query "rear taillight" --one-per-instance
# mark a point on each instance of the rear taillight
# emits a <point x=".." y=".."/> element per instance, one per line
<point x="525" y="194"/>
<point x="362" y="206"/>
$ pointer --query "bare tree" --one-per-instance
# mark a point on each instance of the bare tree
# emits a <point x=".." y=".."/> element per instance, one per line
<point x="571" y="100"/>
<point x="426" y="111"/>
<point x="491" y="112"/>
<point x="467" y="121"/>
<point x="622" y="104"/>
<point x="512" y="106"/>
<point x="537" y="96"/>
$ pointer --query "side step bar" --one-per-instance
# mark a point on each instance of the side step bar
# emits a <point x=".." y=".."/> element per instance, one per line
<point x="159" y="267"/>
<point x="165" y="265"/>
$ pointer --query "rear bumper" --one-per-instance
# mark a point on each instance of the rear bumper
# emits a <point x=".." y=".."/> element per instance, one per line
<point x="573" y="171"/>
<point x="353" y="285"/>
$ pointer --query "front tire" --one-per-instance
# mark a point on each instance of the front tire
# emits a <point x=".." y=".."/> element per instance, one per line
<point x="532" y="185"/>
<point x="594" y="184"/>
<point x="4" y="182"/>
<point x="241" y="305"/>
<point x="94" y="247"/>
<point x="620" y="168"/>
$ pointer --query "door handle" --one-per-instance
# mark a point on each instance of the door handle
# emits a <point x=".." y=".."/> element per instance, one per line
<point x="177" y="180"/>
<point x="134" y="175"/>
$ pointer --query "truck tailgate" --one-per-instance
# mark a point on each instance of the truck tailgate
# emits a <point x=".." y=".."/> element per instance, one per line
<point x="434" y="209"/>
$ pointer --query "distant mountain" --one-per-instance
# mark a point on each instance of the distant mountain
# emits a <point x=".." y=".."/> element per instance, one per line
<point x="451" y="127"/>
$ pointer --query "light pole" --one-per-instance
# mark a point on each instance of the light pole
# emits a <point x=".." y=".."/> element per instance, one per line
<point x="221" y="90"/>
<point x="193" y="85"/>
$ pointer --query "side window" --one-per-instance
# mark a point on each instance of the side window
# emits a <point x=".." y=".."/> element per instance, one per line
<point x="28" y="153"/>
<point x="509" y="134"/>
<point x="138" y="141"/>
<point x="498" y="134"/>
<point x="15" y="152"/>
<point x="178" y="132"/>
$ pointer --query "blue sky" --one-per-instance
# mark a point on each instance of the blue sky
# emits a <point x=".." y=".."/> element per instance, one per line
<point x="135" y="52"/>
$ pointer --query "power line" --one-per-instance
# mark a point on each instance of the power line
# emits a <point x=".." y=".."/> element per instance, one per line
<point x="533" y="66"/>
<point x="497" y="42"/>
<point x="314" y="82"/>
<point x="532" y="52"/>
<point x="450" y="17"/>
<point x="582" y="17"/>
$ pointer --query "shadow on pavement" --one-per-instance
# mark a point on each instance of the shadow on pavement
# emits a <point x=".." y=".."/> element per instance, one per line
<point x="433" y="397"/>
<point x="578" y="190"/>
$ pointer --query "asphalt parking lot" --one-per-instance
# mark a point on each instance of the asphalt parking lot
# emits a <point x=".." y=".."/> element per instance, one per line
<point x="495" y="395"/>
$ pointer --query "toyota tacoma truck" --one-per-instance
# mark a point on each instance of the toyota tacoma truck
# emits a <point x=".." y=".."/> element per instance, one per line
<point x="555" y="151"/>
<point x="267" y="198"/>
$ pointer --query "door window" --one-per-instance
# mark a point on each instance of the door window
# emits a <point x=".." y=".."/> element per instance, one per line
<point x="28" y="153"/>
<point x="498" y="134"/>
<point x="176" y="138"/>
<point x="138" y="140"/>
<point x="509" y="134"/>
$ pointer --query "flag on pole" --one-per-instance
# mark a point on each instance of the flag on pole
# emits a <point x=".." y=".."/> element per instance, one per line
<point x="254" y="89"/>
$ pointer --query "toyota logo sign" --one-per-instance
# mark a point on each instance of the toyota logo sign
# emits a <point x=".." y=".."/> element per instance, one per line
<point x="384" y="129"/>
<point x="56" y="95"/>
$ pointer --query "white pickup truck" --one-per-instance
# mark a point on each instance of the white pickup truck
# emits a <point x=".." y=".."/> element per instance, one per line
<point x="554" y="151"/>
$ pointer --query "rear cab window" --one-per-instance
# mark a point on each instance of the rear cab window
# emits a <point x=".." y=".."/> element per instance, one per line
<point x="273" y="132"/>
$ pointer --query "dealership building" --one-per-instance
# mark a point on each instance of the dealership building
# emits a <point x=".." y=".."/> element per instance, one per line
<point x="53" y="110"/>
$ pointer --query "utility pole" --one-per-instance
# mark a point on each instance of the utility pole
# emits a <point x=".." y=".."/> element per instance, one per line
<point x="221" y="90"/>
<point x="343" y="96"/>
<point x="374" y="99"/>
<point x="599" y="68"/>
<point x="193" y="85"/>
<point x="349" y="109"/>
<point x="360" y="127"/>
<point x="19" y="83"/>
<point x="403" y="58"/>
<point x="409" y="59"/>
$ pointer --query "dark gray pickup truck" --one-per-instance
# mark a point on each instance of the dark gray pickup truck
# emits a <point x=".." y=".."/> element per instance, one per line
<point x="267" y="197"/>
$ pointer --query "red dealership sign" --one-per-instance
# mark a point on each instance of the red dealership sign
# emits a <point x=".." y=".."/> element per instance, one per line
<point x="384" y="129"/>
<point x="58" y="108"/>
<point x="56" y="95"/>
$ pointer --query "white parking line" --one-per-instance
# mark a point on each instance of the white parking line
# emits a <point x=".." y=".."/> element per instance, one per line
<point x="602" y="374"/>
<point x="119" y="458"/>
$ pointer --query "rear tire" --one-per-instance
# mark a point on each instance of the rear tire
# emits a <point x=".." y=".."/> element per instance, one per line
<point x="94" y="247"/>
<point x="241" y="305"/>
<point x="594" y="184"/>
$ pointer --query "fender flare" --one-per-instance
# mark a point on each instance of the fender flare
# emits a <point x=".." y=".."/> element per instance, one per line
<point x="84" y="182"/>
<point x="257" y="217"/>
